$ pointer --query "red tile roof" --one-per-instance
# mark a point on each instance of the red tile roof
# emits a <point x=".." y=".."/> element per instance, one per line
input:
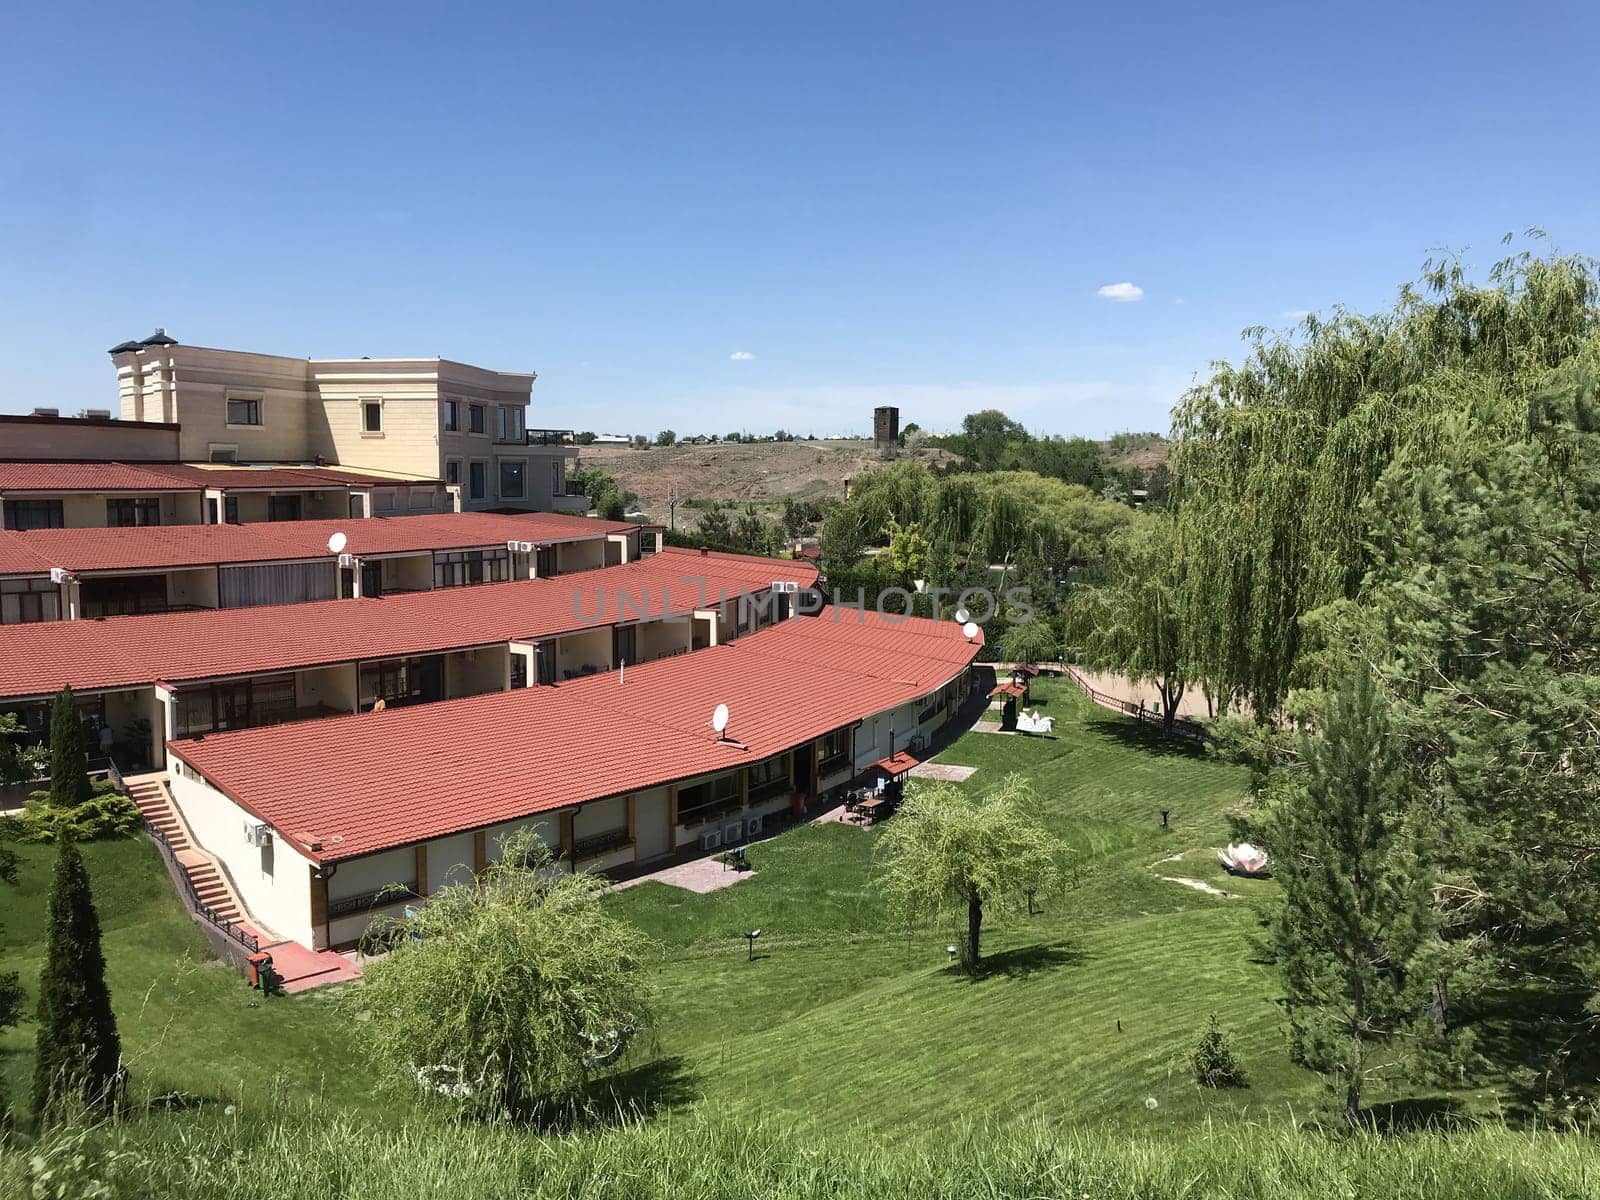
<point x="356" y="785"/>
<point x="156" y="546"/>
<point x="27" y="476"/>
<point x="120" y="652"/>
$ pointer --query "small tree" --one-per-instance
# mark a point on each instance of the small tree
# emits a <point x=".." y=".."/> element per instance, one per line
<point x="950" y="853"/>
<point x="78" y="1059"/>
<point x="1214" y="1062"/>
<point x="11" y="994"/>
<point x="503" y="996"/>
<point x="69" y="769"/>
<point x="666" y="438"/>
<point x="1357" y="910"/>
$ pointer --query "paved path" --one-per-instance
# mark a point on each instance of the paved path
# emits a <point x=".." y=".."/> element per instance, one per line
<point x="946" y="772"/>
<point x="697" y="875"/>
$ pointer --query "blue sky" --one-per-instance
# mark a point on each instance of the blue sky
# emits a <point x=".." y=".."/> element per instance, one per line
<point x="913" y="203"/>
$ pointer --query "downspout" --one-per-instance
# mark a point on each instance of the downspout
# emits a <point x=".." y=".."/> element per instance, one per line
<point x="326" y="872"/>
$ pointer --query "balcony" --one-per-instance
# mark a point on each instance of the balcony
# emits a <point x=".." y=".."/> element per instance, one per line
<point x="549" y="437"/>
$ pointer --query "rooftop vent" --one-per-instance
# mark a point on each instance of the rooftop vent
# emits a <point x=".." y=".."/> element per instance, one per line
<point x="45" y="412"/>
<point x="96" y="414"/>
<point x="159" y="338"/>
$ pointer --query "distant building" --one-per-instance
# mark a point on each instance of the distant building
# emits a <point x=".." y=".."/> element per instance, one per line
<point x="885" y="426"/>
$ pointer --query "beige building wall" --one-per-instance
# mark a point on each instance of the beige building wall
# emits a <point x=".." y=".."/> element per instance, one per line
<point x="73" y="438"/>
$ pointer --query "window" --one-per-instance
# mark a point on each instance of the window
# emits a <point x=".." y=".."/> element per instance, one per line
<point x="222" y="454"/>
<point x="511" y="482"/>
<point x="625" y="644"/>
<point x="475" y="418"/>
<point x="144" y="510"/>
<point x="452" y="471"/>
<point x="835" y="750"/>
<point x="706" y="801"/>
<point x="478" y="481"/>
<point x="33" y="514"/>
<point x="230" y="510"/>
<point x="461" y="567"/>
<point x="372" y="416"/>
<point x="558" y="477"/>
<point x="508" y="424"/>
<point x="244" y="410"/>
<point x="124" y="595"/>
<point x="769" y="778"/>
<point x="452" y="416"/>
<point x="282" y="508"/>
<point x="402" y="681"/>
<point x="23" y="600"/>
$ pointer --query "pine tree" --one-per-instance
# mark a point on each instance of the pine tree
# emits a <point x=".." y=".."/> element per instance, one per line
<point x="78" y="1058"/>
<point x="1357" y="918"/>
<point x="69" y="770"/>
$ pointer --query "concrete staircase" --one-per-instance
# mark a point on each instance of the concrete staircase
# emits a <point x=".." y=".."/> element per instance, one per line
<point x="150" y="793"/>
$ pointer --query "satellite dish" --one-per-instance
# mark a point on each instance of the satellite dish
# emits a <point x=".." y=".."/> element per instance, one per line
<point x="963" y="617"/>
<point x="970" y="629"/>
<point x="337" y="543"/>
<point x="719" y="718"/>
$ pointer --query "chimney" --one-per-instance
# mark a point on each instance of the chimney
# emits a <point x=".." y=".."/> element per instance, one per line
<point x="705" y="549"/>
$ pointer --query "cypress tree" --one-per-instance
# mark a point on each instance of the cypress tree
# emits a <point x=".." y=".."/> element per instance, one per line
<point x="78" y="1059"/>
<point x="69" y="769"/>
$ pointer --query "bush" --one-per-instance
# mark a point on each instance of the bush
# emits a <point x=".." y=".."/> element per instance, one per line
<point x="1215" y="1064"/>
<point x="106" y="814"/>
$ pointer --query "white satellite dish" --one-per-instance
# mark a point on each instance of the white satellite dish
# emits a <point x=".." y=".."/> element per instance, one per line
<point x="337" y="543"/>
<point x="719" y="718"/>
<point x="970" y="629"/>
<point x="963" y="617"/>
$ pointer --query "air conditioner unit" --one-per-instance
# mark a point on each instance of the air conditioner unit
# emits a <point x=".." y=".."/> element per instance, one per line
<point x="711" y="840"/>
<point x="517" y="547"/>
<point x="752" y="827"/>
<point x="60" y="575"/>
<point x="791" y="586"/>
<point x="257" y="834"/>
<point x="347" y="560"/>
<point x="732" y="833"/>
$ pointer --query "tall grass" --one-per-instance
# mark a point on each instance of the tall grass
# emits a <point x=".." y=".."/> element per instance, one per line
<point x="715" y="1155"/>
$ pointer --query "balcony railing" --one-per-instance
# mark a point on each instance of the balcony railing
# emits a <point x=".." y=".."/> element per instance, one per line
<point x="548" y="437"/>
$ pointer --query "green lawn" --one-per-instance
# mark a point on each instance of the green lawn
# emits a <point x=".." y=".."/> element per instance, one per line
<point x="844" y="1014"/>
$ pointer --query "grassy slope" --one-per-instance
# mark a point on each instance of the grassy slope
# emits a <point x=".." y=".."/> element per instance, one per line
<point x="843" y="1014"/>
<point x="187" y="1021"/>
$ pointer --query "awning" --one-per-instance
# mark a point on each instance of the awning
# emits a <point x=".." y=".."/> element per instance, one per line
<point x="896" y="764"/>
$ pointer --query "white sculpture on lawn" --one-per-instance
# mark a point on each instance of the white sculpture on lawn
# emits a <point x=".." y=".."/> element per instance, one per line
<point x="1244" y="859"/>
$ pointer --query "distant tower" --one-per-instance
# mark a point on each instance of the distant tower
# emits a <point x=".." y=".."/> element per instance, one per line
<point x="885" y="427"/>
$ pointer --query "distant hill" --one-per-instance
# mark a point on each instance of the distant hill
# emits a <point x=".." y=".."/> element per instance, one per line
<point x="769" y="473"/>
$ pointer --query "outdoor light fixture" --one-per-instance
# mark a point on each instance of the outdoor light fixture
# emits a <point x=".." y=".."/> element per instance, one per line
<point x="920" y="585"/>
<point x="750" y="944"/>
<point x="951" y="951"/>
<point x="1164" y="813"/>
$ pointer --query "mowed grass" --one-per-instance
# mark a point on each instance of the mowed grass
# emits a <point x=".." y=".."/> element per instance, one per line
<point x="188" y="1023"/>
<point x="844" y="1015"/>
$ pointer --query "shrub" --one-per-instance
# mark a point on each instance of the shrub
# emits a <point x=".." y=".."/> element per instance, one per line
<point x="1215" y="1064"/>
<point x="106" y="814"/>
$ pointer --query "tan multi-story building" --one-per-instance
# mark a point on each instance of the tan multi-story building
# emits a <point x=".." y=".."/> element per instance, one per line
<point x="429" y="418"/>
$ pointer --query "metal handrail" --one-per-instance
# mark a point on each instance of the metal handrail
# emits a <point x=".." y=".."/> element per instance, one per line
<point x="232" y="928"/>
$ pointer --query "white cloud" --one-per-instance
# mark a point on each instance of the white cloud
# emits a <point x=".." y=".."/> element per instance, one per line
<point x="1122" y="293"/>
<point x="741" y="356"/>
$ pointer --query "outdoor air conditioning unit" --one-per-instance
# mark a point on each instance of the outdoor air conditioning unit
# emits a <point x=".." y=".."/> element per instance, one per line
<point x="257" y="834"/>
<point x="60" y="575"/>
<point x="517" y="547"/>
<point x="347" y="560"/>
<point x="732" y="833"/>
<point x="752" y="827"/>
<point x="711" y="840"/>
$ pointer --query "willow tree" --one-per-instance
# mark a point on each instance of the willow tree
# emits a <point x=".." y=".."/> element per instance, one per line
<point x="502" y="997"/>
<point x="957" y="854"/>
<point x="1133" y="621"/>
<point x="1275" y="457"/>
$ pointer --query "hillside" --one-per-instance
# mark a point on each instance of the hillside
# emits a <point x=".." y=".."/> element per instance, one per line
<point x="771" y="472"/>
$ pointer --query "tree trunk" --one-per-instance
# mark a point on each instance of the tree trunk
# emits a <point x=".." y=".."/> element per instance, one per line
<point x="974" y="933"/>
<point x="1352" y="1085"/>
